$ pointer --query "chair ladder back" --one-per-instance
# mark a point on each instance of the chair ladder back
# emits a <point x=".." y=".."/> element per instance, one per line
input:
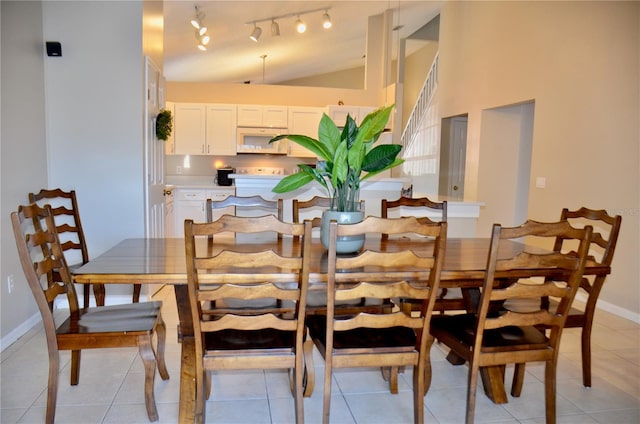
<point x="41" y="255"/>
<point x="414" y="203"/>
<point x="249" y="336"/>
<point x="600" y="220"/>
<point x="566" y="268"/>
<point x="67" y="218"/>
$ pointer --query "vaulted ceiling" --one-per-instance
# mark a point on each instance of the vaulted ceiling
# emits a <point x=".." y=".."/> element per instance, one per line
<point x="231" y="57"/>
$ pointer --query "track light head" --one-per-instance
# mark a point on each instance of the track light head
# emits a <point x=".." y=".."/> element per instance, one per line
<point x="255" y="34"/>
<point x="326" y="21"/>
<point x="300" y="25"/>
<point x="275" y="28"/>
<point x="196" y="22"/>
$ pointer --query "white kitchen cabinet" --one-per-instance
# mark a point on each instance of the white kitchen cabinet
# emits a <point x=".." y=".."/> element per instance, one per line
<point x="221" y="130"/>
<point x="190" y="203"/>
<point x="204" y="129"/>
<point x="262" y="116"/>
<point x="305" y="121"/>
<point x="190" y="128"/>
<point x="169" y="143"/>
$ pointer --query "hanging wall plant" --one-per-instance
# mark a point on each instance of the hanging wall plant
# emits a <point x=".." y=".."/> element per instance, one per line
<point x="164" y="125"/>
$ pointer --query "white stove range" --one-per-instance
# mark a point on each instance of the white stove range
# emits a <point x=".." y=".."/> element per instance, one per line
<point x="260" y="171"/>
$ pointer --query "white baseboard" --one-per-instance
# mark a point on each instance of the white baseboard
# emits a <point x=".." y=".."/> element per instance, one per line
<point x="20" y="331"/>
<point x="610" y="307"/>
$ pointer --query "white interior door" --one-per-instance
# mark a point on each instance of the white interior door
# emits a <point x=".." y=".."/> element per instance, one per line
<point x="154" y="155"/>
<point x="457" y="157"/>
<point x="154" y="160"/>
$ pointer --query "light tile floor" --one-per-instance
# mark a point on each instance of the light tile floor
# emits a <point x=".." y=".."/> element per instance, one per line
<point x="111" y="386"/>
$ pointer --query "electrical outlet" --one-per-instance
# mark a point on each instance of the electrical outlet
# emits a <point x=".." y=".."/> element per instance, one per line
<point x="10" y="285"/>
<point x="178" y="170"/>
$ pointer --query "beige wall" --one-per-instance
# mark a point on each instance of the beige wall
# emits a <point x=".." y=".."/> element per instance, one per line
<point x="24" y="149"/>
<point x="579" y="63"/>
<point x="349" y="78"/>
<point x="269" y="94"/>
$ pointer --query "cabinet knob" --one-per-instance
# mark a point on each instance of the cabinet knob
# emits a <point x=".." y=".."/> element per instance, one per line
<point x="167" y="192"/>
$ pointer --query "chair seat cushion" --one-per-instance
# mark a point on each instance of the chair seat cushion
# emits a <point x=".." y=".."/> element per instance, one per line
<point x="133" y="317"/>
<point x="462" y="327"/>
<point x="362" y="337"/>
<point x="249" y="339"/>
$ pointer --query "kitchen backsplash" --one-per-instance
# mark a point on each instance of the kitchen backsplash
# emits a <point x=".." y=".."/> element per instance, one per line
<point x="207" y="165"/>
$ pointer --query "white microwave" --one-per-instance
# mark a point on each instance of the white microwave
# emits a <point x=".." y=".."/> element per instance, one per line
<point x="256" y="140"/>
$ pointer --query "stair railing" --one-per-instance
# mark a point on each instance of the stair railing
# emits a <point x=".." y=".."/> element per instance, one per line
<point x="424" y="99"/>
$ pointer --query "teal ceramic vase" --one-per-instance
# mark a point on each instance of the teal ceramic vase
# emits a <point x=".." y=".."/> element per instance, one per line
<point x="345" y="244"/>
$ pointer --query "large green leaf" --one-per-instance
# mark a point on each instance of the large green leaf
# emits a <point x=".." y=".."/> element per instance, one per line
<point x="356" y="156"/>
<point x="315" y="174"/>
<point x="340" y="165"/>
<point x="308" y="143"/>
<point x="392" y="165"/>
<point x="292" y="182"/>
<point x="373" y="124"/>
<point x="380" y="157"/>
<point x="328" y="135"/>
<point x="350" y="131"/>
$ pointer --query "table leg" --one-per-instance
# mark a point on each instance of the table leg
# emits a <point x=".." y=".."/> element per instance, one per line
<point x="492" y="377"/>
<point x="493" y="382"/>
<point x="188" y="360"/>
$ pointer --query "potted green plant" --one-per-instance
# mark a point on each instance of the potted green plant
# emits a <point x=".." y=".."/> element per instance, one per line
<point x="346" y="159"/>
<point x="164" y="124"/>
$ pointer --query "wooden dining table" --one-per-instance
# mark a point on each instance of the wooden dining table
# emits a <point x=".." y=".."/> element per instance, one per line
<point x="162" y="261"/>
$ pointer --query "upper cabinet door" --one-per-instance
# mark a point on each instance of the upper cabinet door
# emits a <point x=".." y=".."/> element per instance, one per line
<point x="249" y="115"/>
<point x="304" y="121"/>
<point x="221" y="129"/>
<point x="262" y="116"/>
<point x="274" y="116"/>
<point x="190" y="128"/>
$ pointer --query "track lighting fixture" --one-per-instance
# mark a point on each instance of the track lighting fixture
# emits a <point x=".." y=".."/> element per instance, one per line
<point x="326" y="20"/>
<point x="255" y="34"/>
<point x="300" y="25"/>
<point x="201" y="30"/>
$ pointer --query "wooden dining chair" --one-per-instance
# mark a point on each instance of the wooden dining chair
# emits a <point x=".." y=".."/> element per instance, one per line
<point x="390" y="340"/>
<point x="603" y="245"/>
<point x="64" y="205"/>
<point x="130" y="325"/>
<point x="269" y="337"/>
<point x="246" y="203"/>
<point x="498" y="335"/>
<point x="436" y="211"/>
